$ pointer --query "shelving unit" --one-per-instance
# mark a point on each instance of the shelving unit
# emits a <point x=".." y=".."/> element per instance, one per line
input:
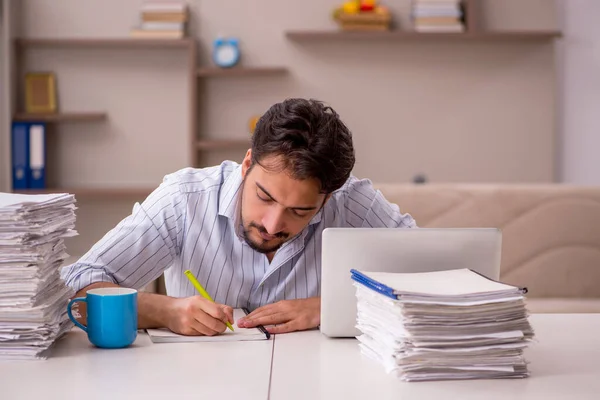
<point x="187" y="44"/>
<point x="104" y="43"/>
<point x="473" y="32"/>
<point x="240" y="71"/>
<point x="96" y="193"/>
<point x="205" y="145"/>
<point x="61" y="117"/>
<point x="418" y="36"/>
<point x="198" y="144"/>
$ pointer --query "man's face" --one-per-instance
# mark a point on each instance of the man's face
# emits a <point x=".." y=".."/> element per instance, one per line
<point x="274" y="206"/>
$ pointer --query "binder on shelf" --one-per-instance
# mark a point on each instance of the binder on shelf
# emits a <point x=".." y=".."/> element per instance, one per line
<point x="20" y="155"/>
<point x="37" y="156"/>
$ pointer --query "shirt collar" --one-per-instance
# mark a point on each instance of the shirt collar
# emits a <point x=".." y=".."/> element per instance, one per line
<point x="317" y="217"/>
<point x="230" y="194"/>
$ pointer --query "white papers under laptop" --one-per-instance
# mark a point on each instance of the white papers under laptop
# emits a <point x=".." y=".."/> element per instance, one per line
<point x="453" y="324"/>
<point x="239" y="334"/>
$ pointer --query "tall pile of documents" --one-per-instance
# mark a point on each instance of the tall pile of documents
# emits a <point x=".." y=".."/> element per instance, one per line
<point x="444" y="325"/>
<point x="33" y="297"/>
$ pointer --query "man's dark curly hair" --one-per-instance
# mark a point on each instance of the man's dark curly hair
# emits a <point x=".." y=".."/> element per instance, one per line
<point x="310" y="140"/>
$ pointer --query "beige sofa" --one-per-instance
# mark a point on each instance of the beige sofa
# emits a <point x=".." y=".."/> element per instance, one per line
<point x="551" y="234"/>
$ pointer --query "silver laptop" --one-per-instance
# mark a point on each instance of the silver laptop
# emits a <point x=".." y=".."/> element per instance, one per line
<point x="396" y="250"/>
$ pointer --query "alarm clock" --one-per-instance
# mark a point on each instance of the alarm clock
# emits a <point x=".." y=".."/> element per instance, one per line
<point x="226" y="52"/>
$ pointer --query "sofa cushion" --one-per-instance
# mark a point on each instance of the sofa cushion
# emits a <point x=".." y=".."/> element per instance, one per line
<point x="556" y="305"/>
<point x="551" y="233"/>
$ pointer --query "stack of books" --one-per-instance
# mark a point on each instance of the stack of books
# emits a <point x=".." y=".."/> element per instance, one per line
<point x="33" y="297"/>
<point x="444" y="325"/>
<point x="162" y="20"/>
<point x="438" y="16"/>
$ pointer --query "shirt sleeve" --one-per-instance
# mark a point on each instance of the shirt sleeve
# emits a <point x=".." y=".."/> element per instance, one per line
<point x="366" y="207"/>
<point x="140" y="247"/>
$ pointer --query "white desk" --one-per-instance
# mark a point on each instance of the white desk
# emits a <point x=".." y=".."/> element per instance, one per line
<point x="78" y="370"/>
<point x="565" y="364"/>
<point x="305" y="365"/>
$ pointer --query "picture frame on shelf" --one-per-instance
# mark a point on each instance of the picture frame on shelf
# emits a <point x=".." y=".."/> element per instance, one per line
<point x="40" y="92"/>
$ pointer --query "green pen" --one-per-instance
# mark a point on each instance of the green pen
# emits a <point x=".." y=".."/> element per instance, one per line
<point x="202" y="291"/>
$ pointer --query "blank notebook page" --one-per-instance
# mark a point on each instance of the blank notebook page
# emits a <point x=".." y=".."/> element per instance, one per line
<point x="239" y="334"/>
<point x="440" y="283"/>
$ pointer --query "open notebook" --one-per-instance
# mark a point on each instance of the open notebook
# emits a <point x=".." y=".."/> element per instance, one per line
<point x="239" y="334"/>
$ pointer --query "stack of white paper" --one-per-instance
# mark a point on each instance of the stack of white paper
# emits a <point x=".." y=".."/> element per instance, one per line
<point x="442" y="325"/>
<point x="33" y="297"/>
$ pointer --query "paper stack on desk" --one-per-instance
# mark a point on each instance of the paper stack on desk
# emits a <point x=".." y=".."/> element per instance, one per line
<point x="33" y="297"/>
<point x="442" y="325"/>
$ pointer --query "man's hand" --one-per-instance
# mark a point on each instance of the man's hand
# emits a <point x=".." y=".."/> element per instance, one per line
<point x="196" y="315"/>
<point x="288" y="315"/>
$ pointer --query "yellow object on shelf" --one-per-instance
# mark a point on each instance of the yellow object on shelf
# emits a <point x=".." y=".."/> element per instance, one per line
<point x="363" y="15"/>
<point x="351" y="7"/>
<point x="252" y="123"/>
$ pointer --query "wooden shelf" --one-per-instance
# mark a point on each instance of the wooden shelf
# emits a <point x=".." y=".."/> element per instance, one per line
<point x="240" y="71"/>
<point x="105" y="43"/>
<point x="93" y="192"/>
<point x="418" y="36"/>
<point x="61" y="117"/>
<point x="220" y="144"/>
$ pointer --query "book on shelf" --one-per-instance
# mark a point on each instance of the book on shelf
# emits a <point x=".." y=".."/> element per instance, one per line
<point x="162" y="19"/>
<point x="438" y="16"/>
<point x="144" y="34"/>
<point x="28" y="155"/>
<point x="440" y="28"/>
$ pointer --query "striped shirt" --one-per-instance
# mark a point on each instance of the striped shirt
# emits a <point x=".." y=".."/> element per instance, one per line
<point x="190" y="222"/>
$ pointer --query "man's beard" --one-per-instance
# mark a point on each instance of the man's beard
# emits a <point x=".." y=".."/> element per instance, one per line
<point x="260" y="246"/>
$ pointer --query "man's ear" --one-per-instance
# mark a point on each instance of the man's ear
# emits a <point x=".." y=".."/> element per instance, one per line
<point x="246" y="163"/>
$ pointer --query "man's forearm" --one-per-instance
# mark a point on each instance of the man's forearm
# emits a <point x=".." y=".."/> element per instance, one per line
<point x="153" y="309"/>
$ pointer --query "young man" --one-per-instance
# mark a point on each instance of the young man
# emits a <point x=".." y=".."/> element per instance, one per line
<point x="249" y="232"/>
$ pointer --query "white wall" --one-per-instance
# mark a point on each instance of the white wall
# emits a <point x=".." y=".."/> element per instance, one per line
<point x="580" y="87"/>
<point x="456" y="111"/>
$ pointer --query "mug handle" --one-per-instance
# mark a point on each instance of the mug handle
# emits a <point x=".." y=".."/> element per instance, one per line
<point x="75" y="300"/>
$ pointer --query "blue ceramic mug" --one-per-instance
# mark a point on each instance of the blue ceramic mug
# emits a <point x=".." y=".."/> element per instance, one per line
<point x="111" y="316"/>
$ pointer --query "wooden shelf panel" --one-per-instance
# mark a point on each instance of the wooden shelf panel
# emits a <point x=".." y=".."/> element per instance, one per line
<point x="105" y="43"/>
<point x="240" y="71"/>
<point x="417" y="36"/>
<point x="61" y="117"/>
<point x="221" y="144"/>
<point x="93" y="192"/>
